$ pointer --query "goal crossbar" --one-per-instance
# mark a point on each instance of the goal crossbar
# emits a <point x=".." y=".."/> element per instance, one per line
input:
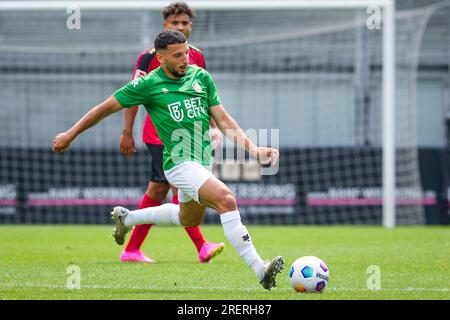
<point x="199" y="5"/>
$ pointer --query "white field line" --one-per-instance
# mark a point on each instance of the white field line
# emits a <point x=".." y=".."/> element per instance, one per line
<point x="112" y="287"/>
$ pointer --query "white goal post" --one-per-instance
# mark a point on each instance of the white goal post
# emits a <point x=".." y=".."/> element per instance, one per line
<point x="388" y="58"/>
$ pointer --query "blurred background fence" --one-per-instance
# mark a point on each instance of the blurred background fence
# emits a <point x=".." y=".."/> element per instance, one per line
<point x="313" y="74"/>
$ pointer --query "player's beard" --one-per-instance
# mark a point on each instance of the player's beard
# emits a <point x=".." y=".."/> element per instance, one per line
<point x="175" y="73"/>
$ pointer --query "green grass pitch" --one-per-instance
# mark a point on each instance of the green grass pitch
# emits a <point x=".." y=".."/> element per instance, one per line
<point x="34" y="260"/>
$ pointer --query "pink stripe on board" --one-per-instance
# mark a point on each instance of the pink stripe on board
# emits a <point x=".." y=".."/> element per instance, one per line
<point x="425" y="201"/>
<point x="344" y="202"/>
<point x="8" y="202"/>
<point x="270" y="202"/>
<point x="368" y="202"/>
<point x="99" y="202"/>
<point x="81" y="202"/>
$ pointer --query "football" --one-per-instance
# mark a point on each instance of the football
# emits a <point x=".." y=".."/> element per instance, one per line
<point x="309" y="274"/>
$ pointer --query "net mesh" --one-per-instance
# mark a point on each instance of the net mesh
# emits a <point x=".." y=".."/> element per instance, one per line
<point x="313" y="74"/>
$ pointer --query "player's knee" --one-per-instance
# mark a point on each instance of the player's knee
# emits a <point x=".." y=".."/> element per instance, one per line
<point x="190" y="221"/>
<point x="227" y="203"/>
<point x="157" y="192"/>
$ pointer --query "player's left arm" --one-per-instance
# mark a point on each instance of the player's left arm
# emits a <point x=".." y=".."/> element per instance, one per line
<point x="63" y="140"/>
<point x="233" y="132"/>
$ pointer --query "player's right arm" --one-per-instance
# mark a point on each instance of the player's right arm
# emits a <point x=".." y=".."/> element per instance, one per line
<point x="127" y="145"/>
<point x="95" y="115"/>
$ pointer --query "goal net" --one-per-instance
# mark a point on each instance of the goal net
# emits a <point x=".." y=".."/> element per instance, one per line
<point x="308" y="80"/>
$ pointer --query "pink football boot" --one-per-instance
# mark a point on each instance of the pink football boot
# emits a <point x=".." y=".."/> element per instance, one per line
<point x="135" y="256"/>
<point x="209" y="250"/>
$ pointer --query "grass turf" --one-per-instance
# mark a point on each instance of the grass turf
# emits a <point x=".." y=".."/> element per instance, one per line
<point x="414" y="263"/>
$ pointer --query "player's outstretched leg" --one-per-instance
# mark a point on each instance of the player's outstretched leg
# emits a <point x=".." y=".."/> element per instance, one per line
<point x="218" y="196"/>
<point x="166" y="214"/>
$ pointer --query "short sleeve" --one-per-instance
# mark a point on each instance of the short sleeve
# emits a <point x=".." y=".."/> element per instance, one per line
<point x="213" y="96"/>
<point x="132" y="94"/>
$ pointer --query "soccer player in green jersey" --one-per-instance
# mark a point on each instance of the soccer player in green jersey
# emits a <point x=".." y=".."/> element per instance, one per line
<point x="181" y="99"/>
<point x="177" y="16"/>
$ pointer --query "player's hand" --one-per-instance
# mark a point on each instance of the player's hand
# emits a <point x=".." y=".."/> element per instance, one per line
<point x="127" y="146"/>
<point x="216" y="137"/>
<point x="268" y="156"/>
<point x="62" y="142"/>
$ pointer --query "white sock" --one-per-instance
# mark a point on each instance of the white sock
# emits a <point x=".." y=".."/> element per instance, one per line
<point x="167" y="213"/>
<point x="239" y="237"/>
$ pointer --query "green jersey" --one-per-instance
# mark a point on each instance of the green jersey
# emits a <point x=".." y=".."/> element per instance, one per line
<point x="179" y="110"/>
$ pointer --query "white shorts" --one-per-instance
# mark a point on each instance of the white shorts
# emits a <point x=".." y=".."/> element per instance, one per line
<point x="188" y="177"/>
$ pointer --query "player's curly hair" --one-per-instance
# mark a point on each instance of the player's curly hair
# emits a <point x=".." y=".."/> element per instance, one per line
<point x="167" y="37"/>
<point x="177" y="8"/>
